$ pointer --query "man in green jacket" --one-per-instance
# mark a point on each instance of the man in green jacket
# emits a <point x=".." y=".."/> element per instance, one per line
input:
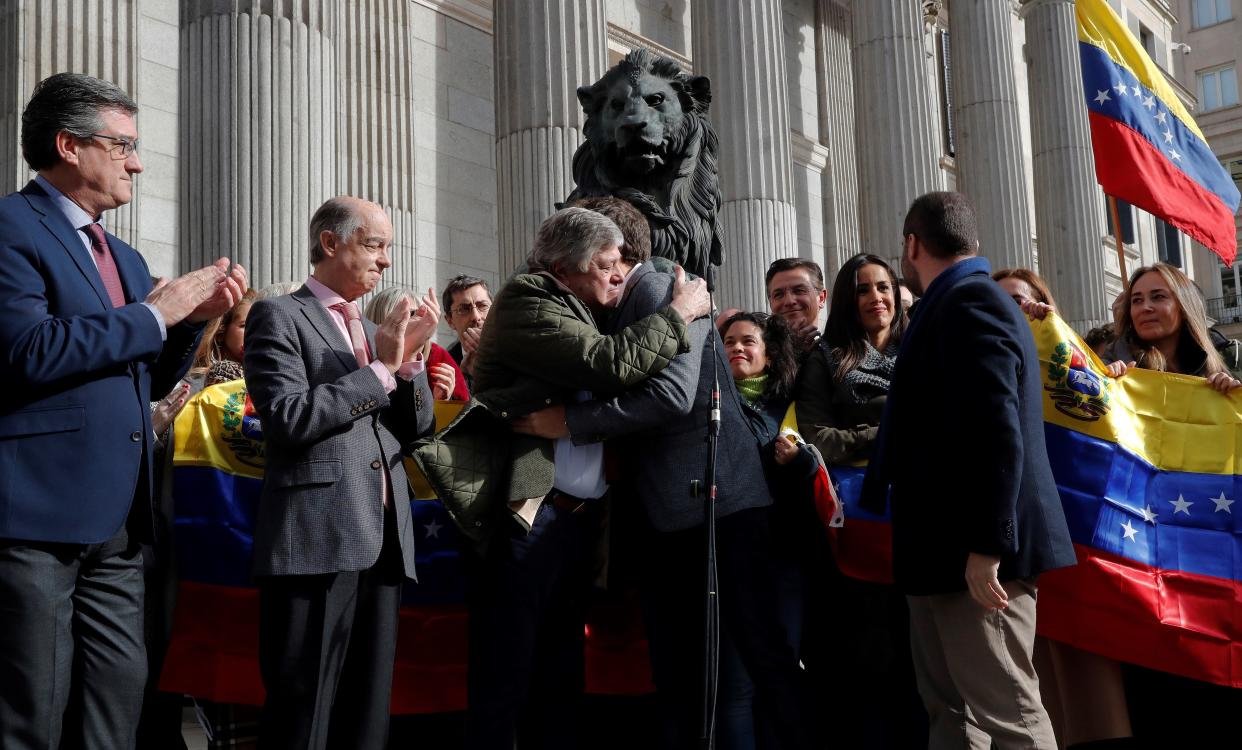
<point x="533" y="506"/>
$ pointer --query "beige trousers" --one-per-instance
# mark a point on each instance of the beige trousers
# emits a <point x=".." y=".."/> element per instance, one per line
<point x="974" y="671"/>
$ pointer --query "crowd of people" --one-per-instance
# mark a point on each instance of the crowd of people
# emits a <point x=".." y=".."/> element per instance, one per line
<point x="579" y="462"/>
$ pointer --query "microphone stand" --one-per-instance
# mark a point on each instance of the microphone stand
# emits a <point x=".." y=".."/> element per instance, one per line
<point x="711" y="621"/>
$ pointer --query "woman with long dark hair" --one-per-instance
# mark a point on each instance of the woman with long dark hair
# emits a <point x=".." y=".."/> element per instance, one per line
<point x="840" y="398"/>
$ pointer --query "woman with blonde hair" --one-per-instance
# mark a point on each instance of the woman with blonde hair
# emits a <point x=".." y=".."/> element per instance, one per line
<point x="443" y="372"/>
<point x="1162" y="325"/>
<point x="1024" y="285"/>
<point x="219" y="355"/>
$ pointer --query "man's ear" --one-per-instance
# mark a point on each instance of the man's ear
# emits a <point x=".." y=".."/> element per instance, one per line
<point x="67" y="146"/>
<point x="327" y="243"/>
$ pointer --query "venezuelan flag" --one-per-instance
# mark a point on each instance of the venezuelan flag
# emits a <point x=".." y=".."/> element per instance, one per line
<point x="1148" y="470"/>
<point x="218" y="466"/>
<point x="1148" y="149"/>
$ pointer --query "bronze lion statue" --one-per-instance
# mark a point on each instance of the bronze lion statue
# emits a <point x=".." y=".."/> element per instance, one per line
<point x="648" y="141"/>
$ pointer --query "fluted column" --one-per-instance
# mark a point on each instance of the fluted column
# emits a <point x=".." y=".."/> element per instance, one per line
<point x="990" y="167"/>
<point x="836" y="131"/>
<point x="544" y="50"/>
<point x="895" y="119"/>
<point x="43" y="37"/>
<point x="375" y="128"/>
<point x="258" y="131"/>
<point x="740" y="47"/>
<point x="1067" y="202"/>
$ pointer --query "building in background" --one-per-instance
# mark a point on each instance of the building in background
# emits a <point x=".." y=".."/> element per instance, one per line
<point x="1208" y="51"/>
<point x="459" y="116"/>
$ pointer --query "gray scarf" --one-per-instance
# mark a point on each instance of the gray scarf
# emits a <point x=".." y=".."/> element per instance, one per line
<point x="871" y="377"/>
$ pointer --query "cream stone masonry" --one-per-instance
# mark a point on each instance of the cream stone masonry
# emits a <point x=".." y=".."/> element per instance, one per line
<point x="740" y="48"/>
<point x="1067" y="211"/>
<point x="990" y="167"/>
<point x="836" y="129"/>
<point x="544" y="50"/>
<point x="896" y="124"/>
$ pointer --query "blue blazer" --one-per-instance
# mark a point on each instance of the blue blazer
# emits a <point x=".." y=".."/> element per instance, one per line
<point x="963" y="449"/>
<point x="76" y="380"/>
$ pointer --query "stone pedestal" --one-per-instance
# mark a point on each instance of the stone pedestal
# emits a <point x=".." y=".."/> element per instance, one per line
<point x="740" y="47"/>
<point x="898" y="145"/>
<point x="988" y="131"/>
<point x="544" y="50"/>
<point x="1068" y="216"/>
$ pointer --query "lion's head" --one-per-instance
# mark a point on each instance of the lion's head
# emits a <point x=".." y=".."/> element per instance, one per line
<point x="648" y="141"/>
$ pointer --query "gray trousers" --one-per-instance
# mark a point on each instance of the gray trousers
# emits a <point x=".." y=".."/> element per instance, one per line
<point x="974" y="671"/>
<point x="72" y="660"/>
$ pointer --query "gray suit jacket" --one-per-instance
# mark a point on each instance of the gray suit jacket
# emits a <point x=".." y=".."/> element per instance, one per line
<point x="661" y="425"/>
<point x="330" y="430"/>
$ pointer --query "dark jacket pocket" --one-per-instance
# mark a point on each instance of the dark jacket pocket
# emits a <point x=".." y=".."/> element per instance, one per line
<point x="42" y="421"/>
<point x="307" y="473"/>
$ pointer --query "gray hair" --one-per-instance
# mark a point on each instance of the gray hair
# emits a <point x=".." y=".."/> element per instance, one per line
<point x="385" y="301"/>
<point x="338" y="215"/>
<point x="70" y="102"/>
<point x="571" y="237"/>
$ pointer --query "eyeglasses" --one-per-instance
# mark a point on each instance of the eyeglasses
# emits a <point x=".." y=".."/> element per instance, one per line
<point x="126" y="146"/>
<point x="464" y="309"/>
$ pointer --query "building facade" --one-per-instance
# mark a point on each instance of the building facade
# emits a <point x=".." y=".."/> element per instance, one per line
<point x="459" y="117"/>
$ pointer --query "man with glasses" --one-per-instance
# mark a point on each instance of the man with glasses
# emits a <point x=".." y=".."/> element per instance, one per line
<point x="84" y="342"/>
<point x="467" y="301"/>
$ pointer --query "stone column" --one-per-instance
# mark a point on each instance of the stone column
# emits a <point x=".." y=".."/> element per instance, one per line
<point x="1067" y="197"/>
<point x="740" y="47"/>
<point x="836" y="131"/>
<point x="898" y="142"/>
<point x="545" y="50"/>
<point x="42" y="37"/>
<point x="375" y="129"/>
<point x="259" y="130"/>
<point x="990" y="167"/>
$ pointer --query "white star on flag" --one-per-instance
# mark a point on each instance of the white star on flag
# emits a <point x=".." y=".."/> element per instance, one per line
<point x="1173" y="153"/>
<point x="1121" y="88"/>
<point x="1181" y="505"/>
<point x="1222" y="503"/>
<point x="1160" y="116"/>
<point x="1138" y="91"/>
<point x="1149" y="515"/>
<point x="433" y="529"/>
<point x="1150" y="102"/>
<point x="1129" y="532"/>
<point x="1102" y="96"/>
<point x="1168" y="136"/>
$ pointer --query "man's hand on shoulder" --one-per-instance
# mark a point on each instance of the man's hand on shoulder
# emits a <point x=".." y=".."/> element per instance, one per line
<point x="546" y="423"/>
<point x="691" y="299"/>
<point x="981" y="578"/>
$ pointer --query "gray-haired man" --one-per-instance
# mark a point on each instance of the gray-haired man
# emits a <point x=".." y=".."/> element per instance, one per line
<point x="333" y="541"/>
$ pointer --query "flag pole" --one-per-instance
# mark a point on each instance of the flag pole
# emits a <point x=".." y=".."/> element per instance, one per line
<point x="1121" y="246"/>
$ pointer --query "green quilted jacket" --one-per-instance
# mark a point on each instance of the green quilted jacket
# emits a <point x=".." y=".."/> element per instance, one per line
<point x="540" y="345"/>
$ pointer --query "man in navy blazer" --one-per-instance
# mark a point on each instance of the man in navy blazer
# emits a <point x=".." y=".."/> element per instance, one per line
<point x="976" y="513"/>
<point x="84" y="343"/>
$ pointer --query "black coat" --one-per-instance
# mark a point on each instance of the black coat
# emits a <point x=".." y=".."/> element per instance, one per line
<point x="963" y="447"/>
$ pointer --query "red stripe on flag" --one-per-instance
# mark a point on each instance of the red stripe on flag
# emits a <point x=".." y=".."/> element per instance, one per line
<point x="1129" y="167"/>
<point x="1172" y="621"/>
<point x="864" y="549"/>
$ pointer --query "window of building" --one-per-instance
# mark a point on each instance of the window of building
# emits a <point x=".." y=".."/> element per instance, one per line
<point x="1218" y="88"/>
<point x="1208" y="12"/>
<point x="1168" y="243"/>
<point x="1148" y="40"/>
<point x="1125" y="214"/>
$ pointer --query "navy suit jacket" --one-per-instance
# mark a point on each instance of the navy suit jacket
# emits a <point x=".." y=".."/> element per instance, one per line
<point x="963" y="446"/>
<point x="76" y="380"/>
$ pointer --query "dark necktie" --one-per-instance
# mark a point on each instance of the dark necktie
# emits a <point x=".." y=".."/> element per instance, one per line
<point x="106" y="264"/>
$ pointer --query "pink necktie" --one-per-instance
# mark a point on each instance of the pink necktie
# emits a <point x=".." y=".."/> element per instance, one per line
<point x="357" y="336"/>
<point x="106" y="264"/>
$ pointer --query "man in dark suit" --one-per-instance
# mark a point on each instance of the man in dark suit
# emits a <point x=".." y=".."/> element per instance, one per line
<point x="84" y="343"/>
<point x="976" y="514"/>
<point x="334" y="539"/>
<point x="659" y="430"/>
